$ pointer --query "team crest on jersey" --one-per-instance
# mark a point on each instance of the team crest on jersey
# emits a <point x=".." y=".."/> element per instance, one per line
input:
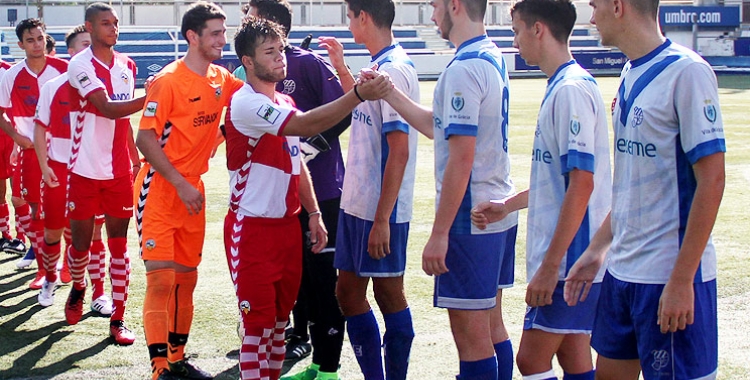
<point x="150" y="244"/>
<point x="245" y="307"/>
<point x="575" y="127"/>
<point x="268" y="113"/>
<point x="457" y="102"/>
<point x="217" y="93"/>
<point x="289" y="86"/>
<point x="24" y="191"/>
<point x="661" y="359"/>
<point x="637" y="116"/>
<point x="125" y="78"/>
<point x="71" y="206"/>
<point x="83" y="80"/>
<point x="150" y="109"/>
<point x="709" y="111"/>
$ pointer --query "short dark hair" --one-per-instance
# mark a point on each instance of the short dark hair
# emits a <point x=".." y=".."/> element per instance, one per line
<point x="50" y="45"/>
<point x="196" y="16"/>
<point x="646" y="7"/>
<point x="73" y="33"/>
<point x="278" y="11"/>
<point x="475" y="9"/>
<point x="382" y="11"/>
<point x="95" y="8"/>
<point x="558" y="15"/>
<point x="28" y="24"/>
<point x="253" y="32"/>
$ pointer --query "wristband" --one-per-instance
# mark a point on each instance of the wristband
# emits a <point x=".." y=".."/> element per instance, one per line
<point x="357" y="93"/>
<point x="310" y="215"/>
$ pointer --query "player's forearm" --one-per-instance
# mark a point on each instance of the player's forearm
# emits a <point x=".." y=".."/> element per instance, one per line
<point x="147" y="143"/>
<point x="455" y="182"/>
<point x="117" y="110"/>
<point x="40" y="145"/>
<point x="571" y="215"/>
<point x="516" y="201"/>
<point x="602" y="240"/>
<point x="710" y="178"/>
<point x="7" y="127"/>
<point x="306" y="191"/>
<point x="132" y="149"/>
<point x="393" y="176"/>
<point x="319" y="119"/>
<point x="417" y="115"/>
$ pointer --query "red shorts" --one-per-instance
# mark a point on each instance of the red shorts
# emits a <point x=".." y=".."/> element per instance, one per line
<point x="54" y="198"/>
<point x="265" y="262"/>
<point x="89" y="197"/>
<point x="168" y="232"/>
<point x="6" y="148"/>
<point x="27" y="178"/>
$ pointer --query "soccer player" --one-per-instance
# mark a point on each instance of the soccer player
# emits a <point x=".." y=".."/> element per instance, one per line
<point x="269" y="181"/>
<point x="311" y="82"/>
<point x="182" y="113"/>
<point x="469" y="122"/>
<point x="101" y="170"/>
<point x="19" y="93"/>
<point x="7" y="242"/>
<point x="569" y="194"/>
<point x="377" y="200"/>
<point x="657" y="307"/>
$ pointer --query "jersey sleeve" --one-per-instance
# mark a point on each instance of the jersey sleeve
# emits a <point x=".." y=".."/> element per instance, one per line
<point x="44" y="105"/>
<point x="574" y="123"/>
<point x="6" y="85"/>
<point x="253" y="115"/>
<point x="158" y="105"/>
<point x="392" y="121"/>
<point x="83" y="78"/>
<point x="697" y="107"/>
<point x="462" y="97"/>
<point x="328" y="86"/>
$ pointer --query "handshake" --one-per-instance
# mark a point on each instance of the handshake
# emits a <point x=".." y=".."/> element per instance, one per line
<point x="372" y="84"/>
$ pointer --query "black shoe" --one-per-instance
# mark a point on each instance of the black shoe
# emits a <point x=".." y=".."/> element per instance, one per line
<point x="185" y="370"/>
<point x="166" y="375"/>
<point x="13" y="246"/>
<point x="296" y="348"/>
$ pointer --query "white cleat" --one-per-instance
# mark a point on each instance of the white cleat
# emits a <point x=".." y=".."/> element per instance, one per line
<point x="46" y="295"/>
<point x="102" y="305"/>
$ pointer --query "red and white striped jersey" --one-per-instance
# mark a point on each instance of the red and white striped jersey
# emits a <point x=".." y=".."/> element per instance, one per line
<point x="4" y="66"/>
<point x="100" y="147"/>
<point x="19" y="92"/>
<point x="264" y="166"/>
<point x="54" y="112"/>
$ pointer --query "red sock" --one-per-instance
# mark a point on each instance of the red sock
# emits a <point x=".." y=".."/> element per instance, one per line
<point x="5" y="221"/>
<point x="96" y="268"/>
<point x="119" y="275"/>
<point x="77" y="261"/>
<point x="50" y="255"/>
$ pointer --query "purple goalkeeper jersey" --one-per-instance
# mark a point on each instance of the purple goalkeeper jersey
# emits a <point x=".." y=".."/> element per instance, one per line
<point x="310" y="81"/>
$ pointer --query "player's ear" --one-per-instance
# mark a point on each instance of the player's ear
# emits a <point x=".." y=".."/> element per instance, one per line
<point x="247" y="62"/>
<point x="191" y="37"/>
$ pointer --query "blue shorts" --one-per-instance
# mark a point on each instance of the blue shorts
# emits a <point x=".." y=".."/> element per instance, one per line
<point x="559" y="318"/>
<point x="625" y="329"/>
<point x="351" y="248"/>
<point x="474" y="267"/>
<point x="508" y="260"/>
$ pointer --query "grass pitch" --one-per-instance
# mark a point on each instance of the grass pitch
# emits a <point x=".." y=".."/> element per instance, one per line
<point x="36" y="342"/>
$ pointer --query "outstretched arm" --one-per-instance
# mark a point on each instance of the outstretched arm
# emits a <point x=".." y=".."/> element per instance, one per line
<point x="115" y="110"/>
<point x="417" y="115"/>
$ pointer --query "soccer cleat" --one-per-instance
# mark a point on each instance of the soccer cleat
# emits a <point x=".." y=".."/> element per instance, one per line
<point x="297" y="349"/>
<point x="166" y="375"/>
<point x="121" y="334"/>
<point x="38" y="281"/>
<point x="65" y="276"/>
<point x="46" y="295"/>
<point x="74" y="305"/>
<point x="102" y="306"/>
<point x="327" y="376"/>
<point x="309" y="373"/>
<point x="187" y="370"/>
<point x="26" y="261"/>
<point x="13" y="246"/>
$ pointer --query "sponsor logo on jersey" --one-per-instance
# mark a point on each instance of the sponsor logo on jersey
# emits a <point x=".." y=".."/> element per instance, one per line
<point x="120" y="96"/>
<point x="31" y="100"/>
<point x="709" y="111"/>
<point x="289" y="86"/>
<point x="457" y="102"/>
<point x="361" y="117"/>
<point x="635" y="148"/>
<point x="150" y="244"/>
<point x="268" y="113"/>
<point x="293" y="150"/>
<point x="637" y="116"/>
<point x="245" y="307"/>
<point x="541" y="156"/>
<point x="661" y="359"/>
<point x="202" y="119"/>
<point x="150" y="109"/>
<point x="575" y="126"/>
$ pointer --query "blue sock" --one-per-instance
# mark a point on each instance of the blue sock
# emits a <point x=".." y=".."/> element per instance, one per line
<point x="399" y="333"/>
<point x="364" y="336"/>
<point x="485" y="369"/>
<point x="580" y="376"/>
<point x="504" y="353"/>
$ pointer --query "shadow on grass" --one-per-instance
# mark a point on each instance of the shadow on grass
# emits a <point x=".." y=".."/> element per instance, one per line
<point x="23" y="366"/>
<point x="17" y="284"/>
<point x="234" y="371"/>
